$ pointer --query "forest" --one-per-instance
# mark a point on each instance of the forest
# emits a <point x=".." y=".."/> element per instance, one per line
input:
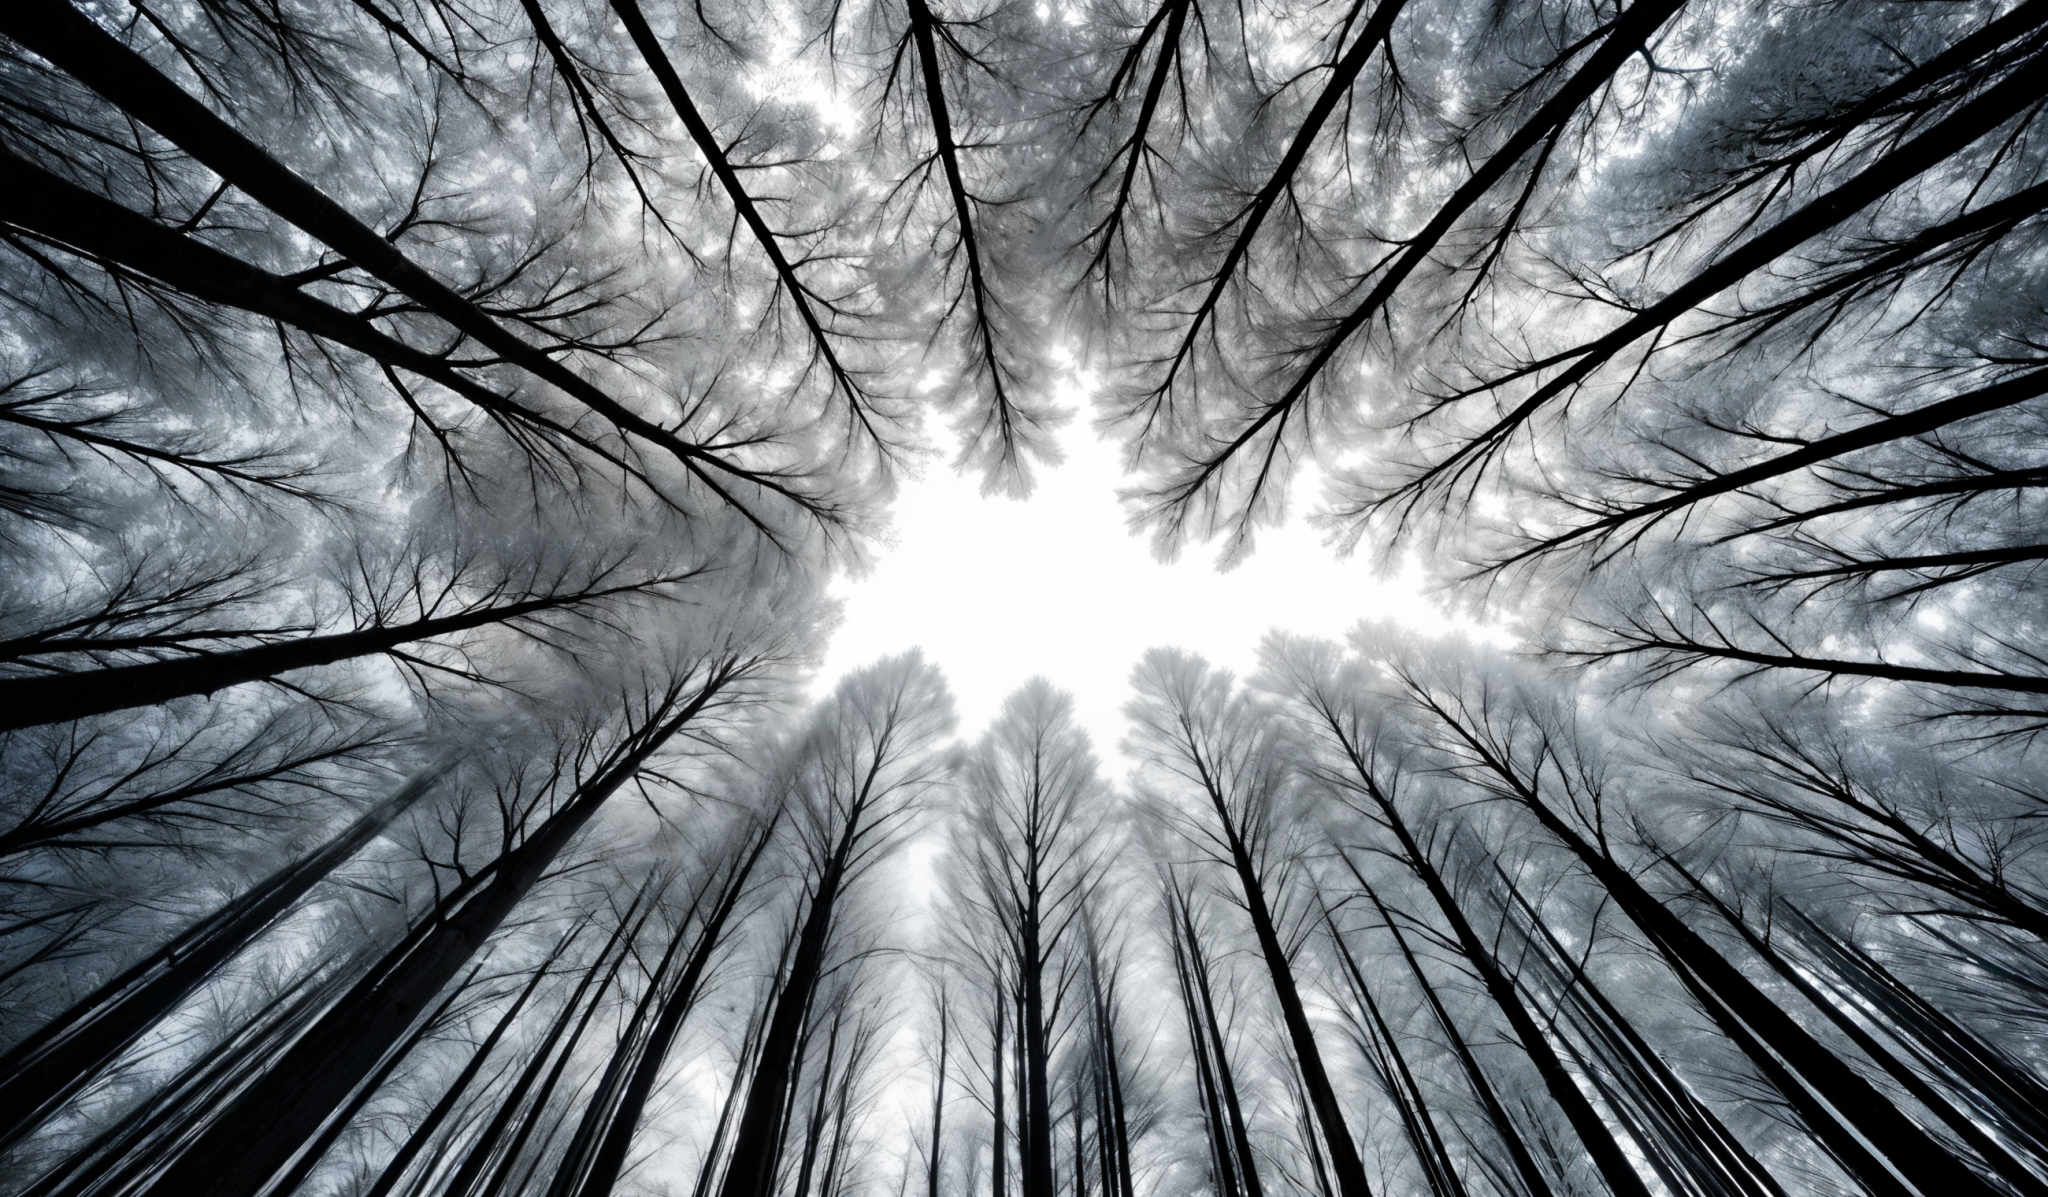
<point x="432" y="432"/>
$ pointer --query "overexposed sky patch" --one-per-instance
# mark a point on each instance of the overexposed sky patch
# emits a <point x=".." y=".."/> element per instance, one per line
<point x="996" y="590"/>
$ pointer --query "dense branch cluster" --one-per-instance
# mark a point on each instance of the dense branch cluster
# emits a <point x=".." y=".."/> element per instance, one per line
<point x="428" y="428"/>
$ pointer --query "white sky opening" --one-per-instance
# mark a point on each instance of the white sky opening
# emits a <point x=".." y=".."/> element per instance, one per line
<point x="997" y="590"/>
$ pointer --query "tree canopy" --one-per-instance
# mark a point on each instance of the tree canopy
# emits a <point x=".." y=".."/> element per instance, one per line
<point x="432" y="433"/>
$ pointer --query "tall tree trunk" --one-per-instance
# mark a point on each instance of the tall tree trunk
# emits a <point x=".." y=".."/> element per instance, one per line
<point x="999" y="1166"/>
<point x="1741" y="1171"/>
<point x="395" y="1168"/>
<point x="1222" y="1172"/>
<point x="2001" y="1161"/>
<point x="1117" y="1126"/>
<point x="1855" y="1119"/>
<point x="1232" y="1108"/>
<point x="316" y="1150"/>
<point x="608" y="1157"/>
<point x="268" y="1123"/>
<point x="117" y="1160"/>
<point x="933" y="1162"/>
<point x="600" y="1105"/>
<point x="491" y="1144"/>
<point x="1387" y="1059"/>
<point x="1503" y="1123"/>
<point x="1599" y="1141"/>
<point x="714" y="1151"/>
<point x="1915" y="422"/>
<point x="1037" y="1112"/>
<point x="829" y="1185"/>
<point x="38" y="1074"/>
<point x="816" y="1128"/>
<point x="1080" y="1141"/>
<point x="754" y="1152"/>
<point x="1345" y="1164"/>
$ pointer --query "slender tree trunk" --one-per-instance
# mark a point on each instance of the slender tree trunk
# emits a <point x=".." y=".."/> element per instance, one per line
<point x="1111" y="227"/>
<point x="1000" y="1126"/>
<point x="933" y="1162"/>
<point x="2002" y="1162"/>
<point x="396" y="1167"/>
<point x="1223" y="1175"/>
<point x="1867" y="494"/>
<point x="608" y="1158"/>
<point x="566" y="1030"/>
<point x="1962" y="679"/>
<point x="600" y="1106"/>
<point x="1856" y="1119"/>
<point x="1345" y="1163"/>
<point x="1891" y="429"/>
<point x="311" y="1155"/>
<point x="1742" y="1171"/>
<point x="829" y="1186"/>
<point x="1990" y="1078"/>
<point x="925" y="32"/>
<point x="1428" y="1144"/>
<point x="1117" y="1124"/>
<point x="1080" y="1141"/>
<point x="754" y="1150"/>
<point x="1219" y="1051"/>
<point x="265" y="1127"/>
<point x="1526" y="1169"/>
<point x="714" y="1152"/>
<point x="40" y="1072"/>
<point x="816" y="1130"/>
<point x="111" y="1163"/>
<point x="1105" y="1146"/>
<point x="1598" y="1140"/>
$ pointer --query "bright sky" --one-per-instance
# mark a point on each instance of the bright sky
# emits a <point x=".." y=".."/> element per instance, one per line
<point x="997" y="590"/>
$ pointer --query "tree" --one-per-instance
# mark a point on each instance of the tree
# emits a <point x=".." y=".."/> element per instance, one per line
<point x="49" y="1065"/>
<point x="1027" y="857"/>
<point x="853" y="780"/>
<point x="263" y="1128"/>
<point x="1208" y="738"/>
<point x="429" y="430"/>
